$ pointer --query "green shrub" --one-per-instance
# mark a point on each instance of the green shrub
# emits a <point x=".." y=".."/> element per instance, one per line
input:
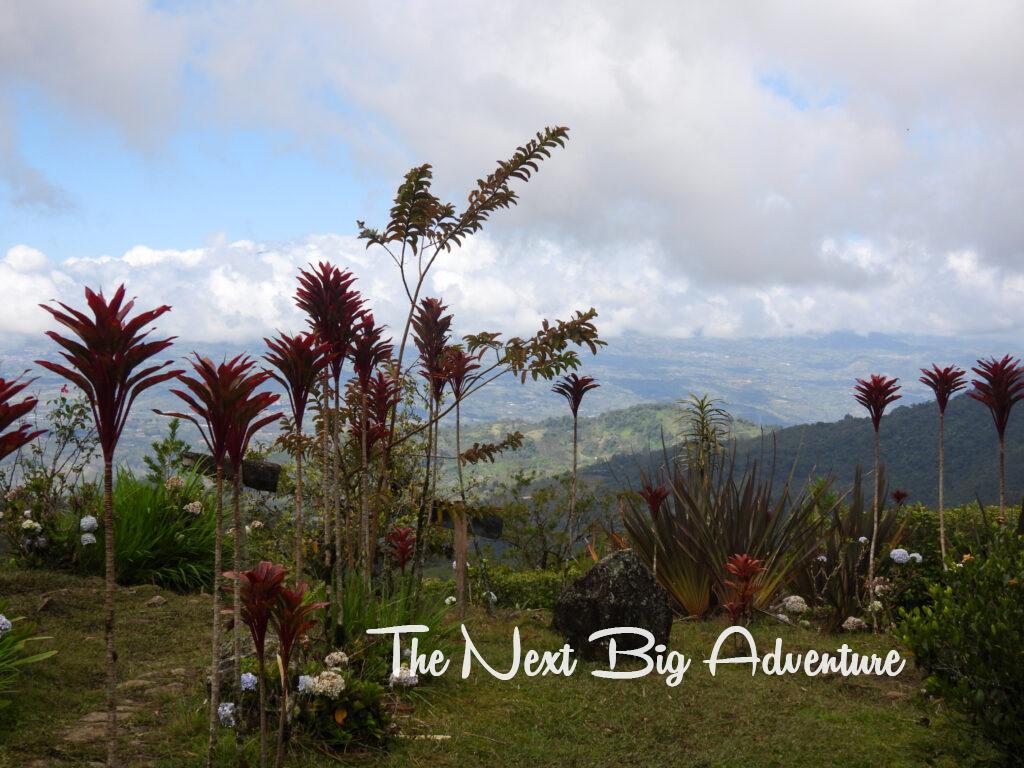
<point x="969" y="640"/>
<point x="357" y="717"/>
<point x="524" y="589"/>
<point x="15" y="635"/>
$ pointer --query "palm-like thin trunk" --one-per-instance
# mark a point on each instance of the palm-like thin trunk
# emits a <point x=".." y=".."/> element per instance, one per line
<point x="572" y="492"/>
<point x="421" y="515"/>
<point x="874" y="528"/>
<point x="108" y="606"/>
<point x="282" y="720"/>
<point x="263" y="711"/>
<point x="298" y="510"/>
<point x="461" y="522"/>
<point x="218" y="557"/>
<point x="340" y="533"/>
<point x="364" y="494"/>
<point x="325" y="488"/>
<point x="942" y="488"/>
<point x="1002" y="478"/>
<point x="236" y="667"/>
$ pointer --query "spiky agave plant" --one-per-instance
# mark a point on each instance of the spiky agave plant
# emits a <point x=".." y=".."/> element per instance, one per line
<point x="213" y="394"/>
<point x="298" y="361"/>
<point x="249" y="417"/>
<point x="369" y="350"/>
<point x="10" y="412"/>
<point x="259" y="590"/>
<point x="334" y="311"/>
<point x="458" y="369"/>
<point x="107" y="358"/>
<point x="999" y="386"/>
<point x="573" y="388"/>
<point x="944" y="383"/>
<point x="291" y="619"/>
<point x="876" y="393"/>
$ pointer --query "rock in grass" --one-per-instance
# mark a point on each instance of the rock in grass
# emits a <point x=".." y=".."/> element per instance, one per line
<point x="156" y="601"/>
<point x="617" y="592"/>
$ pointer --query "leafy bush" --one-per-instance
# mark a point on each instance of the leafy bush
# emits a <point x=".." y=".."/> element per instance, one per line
<point x="163" y="533"/>
<point x="969" y="641"/>
<point x="15" y="635"/>
<point x="525" y="589"/>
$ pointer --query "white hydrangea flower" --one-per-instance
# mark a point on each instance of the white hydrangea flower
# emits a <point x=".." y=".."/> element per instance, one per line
<point x="88" y="524"/>
<point x="875" y="606"/>
<point x="404" y="678"/>
<point x="248" y="681"/>
<point x="255" y="525"/>
<point x="327" y="683"/>
<point x="795" y="604"/>
<point x="193" y="508"/>
<point x="305" y="683"/>
<point x="450" y="600"/>
<point x="226" y="713"/>
<point x="853" y="624"/>
<point x="31" y="526"/>
<point x="27" y="513"/>
<point x="174" y="483"/>
<point x="336" y="659"/>
<point x="899" y="556"/>
<point x="5" y="625"/>
<point x="821" y="559"/>
<point x="863" y="540"/>
<point x="916" y="557"/>
<point x="87" y="539"/>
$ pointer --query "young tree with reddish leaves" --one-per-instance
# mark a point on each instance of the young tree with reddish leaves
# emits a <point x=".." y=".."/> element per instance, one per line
<point x="573" y="388"/>
<point x="259" y="590"/>
<point x="10" y="412"/>
<point x="108" y="357"/>
<point x="249" y="417"/>
<point x="743" y="584"/>
<point x="214" y="393"/>
<point x="999" y="386"/>
<point x="298" y="361"/>
<point x="944" y="383"/>
<point x="876" y="393"/>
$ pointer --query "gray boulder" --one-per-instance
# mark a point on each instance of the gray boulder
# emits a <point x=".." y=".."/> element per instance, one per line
<point x="618" y="591"/>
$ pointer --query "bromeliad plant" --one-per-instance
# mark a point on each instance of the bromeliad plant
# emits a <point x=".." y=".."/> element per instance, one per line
<point x="876" y="394"/>
<point x="215" y="395"/>
<point x="654" y="497"/>
<point x="401" y="545"/>
<point x="15" y="439"/>
<point x="999" y="386"/>
<point x="573" y="388"/>
<point x="743" y="584"/>
<point x="944" y="383"/>
<point x="259" y="590"/>
<point x="108" y="357"/>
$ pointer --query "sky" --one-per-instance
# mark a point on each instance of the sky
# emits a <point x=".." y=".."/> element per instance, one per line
<point x="734" y="169"/>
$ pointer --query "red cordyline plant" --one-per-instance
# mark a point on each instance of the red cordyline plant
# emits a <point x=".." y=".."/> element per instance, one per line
<point x="214" y="394"/>
<point x="744" y="571"/>
<point x="402" y="545"/>
<point x="654" y="496"/>
<point x="334" y="312"/>
<point x="107" y="357"/>
<point x="899" y="497"/>
<point x="10" y="412"/>
<point x="369" y="351"/>
<point x="298" y="361"/>
<point x="249" y="418"/>
<point x="291" y="619"/>
<point x="431" y="331"/>
<point x="876" y="393"/>
<point x="260" y="589"/>
<point x="944" y="383"/>
<point x="573" y="388"/>
<point x="459" y="369"/>
<point x="999" y="386"/>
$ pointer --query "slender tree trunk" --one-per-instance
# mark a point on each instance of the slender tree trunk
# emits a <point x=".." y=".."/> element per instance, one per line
<point x="236" y="667"/>
<point x="572" y="492"/>
<point x="364" y="495"/>
<point x="874" y="528"/>
<point x="461" y="523"/>
<point x="282" y="720"/>
<point x="341" y="534"/>
<point x="421" y="514"/>
<point x="942" y="488"/>
<point x="263" y="711"/>
<point x="325" y="487"/>
<point x="1002" y="477"/>
<point x="218" y="557"/>
<point x="298" y="511"/>
<point x="108" y="606"/>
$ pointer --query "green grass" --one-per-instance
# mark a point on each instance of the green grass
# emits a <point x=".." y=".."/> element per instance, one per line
<point x="731" y="720"/>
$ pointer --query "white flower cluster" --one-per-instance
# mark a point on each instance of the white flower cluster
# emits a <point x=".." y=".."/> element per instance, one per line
<point x="226" y="713"/>
<point x="862" y="540"/>
<point x="794" y="604"/>
<point x="327" y="683"/>
<point x="173" y="483"/>
<point x="404" y="678"/>
<point x="30" y="526"/>
<point x="336" y="660"/>
<point x="900" y="556"/>
<point x="88" y="524"/>
<point x="88" y="539"/>
<point x="853" y="624"/>
<point x="822" y="559"/>
<point x="194" y="508"/>
<point x="875" y="606"/>
<point x="248" y="681"/>
<point x="5" y="625"/>
<point x="450" y="600"/>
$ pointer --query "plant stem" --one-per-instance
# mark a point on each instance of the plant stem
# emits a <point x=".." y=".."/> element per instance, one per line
<point x="108" y="606"/>
<point x="874" y="529"/>
<point x="298" y="508"/>
<point x="218" y="547"/>
<point x="1002" y="477"/>
<point x="236" y="666"/>
<point x="263" y="710"/>
<point x="461" y="523"/>
<point x="942" y="488"/>
<point x="282" y="722"/>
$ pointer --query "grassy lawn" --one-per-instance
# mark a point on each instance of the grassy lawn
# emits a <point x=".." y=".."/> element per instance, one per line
<point x="732" y="719"/>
